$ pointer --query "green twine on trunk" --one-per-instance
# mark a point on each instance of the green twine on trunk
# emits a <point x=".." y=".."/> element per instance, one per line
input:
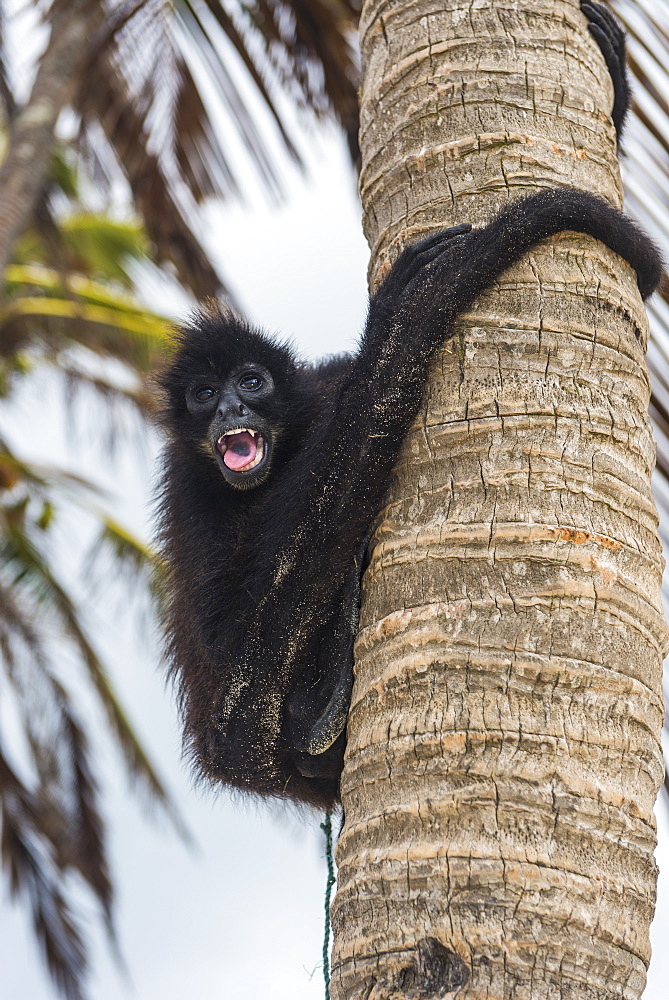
<point x="326" y="827"/>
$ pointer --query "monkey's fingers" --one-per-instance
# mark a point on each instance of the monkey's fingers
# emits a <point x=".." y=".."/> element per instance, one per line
<point x="611" y="57"/>
<point x="413" y="259"/>
<point x="419" y="255"/>
<point x="610" y="38"/>
<point x="425" y="249"/>
<point x="600" y="17"/>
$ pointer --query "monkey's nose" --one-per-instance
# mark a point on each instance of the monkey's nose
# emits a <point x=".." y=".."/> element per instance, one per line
<point x="228" y="408"/>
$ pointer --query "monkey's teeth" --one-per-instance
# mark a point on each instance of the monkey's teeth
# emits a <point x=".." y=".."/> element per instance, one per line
<point x="239" y="430"/>
<point x="223" y="444"/>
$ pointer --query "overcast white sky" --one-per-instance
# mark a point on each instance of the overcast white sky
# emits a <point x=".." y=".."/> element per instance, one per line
<point x="241" y="916"/>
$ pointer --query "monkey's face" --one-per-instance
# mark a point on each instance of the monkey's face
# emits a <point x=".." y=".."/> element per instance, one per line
<point x="238" y="414"/>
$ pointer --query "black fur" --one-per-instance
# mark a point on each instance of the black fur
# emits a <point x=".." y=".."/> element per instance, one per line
<point x="264" y="574"/>
<point x="610" y="37"/>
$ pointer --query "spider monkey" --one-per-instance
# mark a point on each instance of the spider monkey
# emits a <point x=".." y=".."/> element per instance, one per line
<point x="274" y="471"/>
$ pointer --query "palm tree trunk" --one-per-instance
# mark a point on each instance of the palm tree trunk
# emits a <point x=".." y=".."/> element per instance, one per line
<point x="26" y="164"/>
<point x="503" y="744"/>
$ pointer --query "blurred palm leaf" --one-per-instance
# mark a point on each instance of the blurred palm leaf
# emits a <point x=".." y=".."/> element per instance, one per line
<point x="180" y="98"/>
<point x="52" y="829"/>
<point x="73" y="288"/>
<point x="69" y="300"/>
<point x="97" y="316"/>
<point x="93" y="243"/>
<point x="179" y="139"/>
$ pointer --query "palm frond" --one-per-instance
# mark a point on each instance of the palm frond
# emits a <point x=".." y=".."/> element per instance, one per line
<point x="31" y="876"/>
<point x="44" y="308"/>
<point x="325" y="32"/>
<point x="236" y="107"/>
<point x="49" y="311"/>
<point x="87" y="853"/>
<point x="230" y="32"/>
<point x="167" y="131"/>
<point x="135" y="395"/>
<point x="41" y="478"/>
<point x="138" y="564"/>
<point x="107" y="103"/>
<point x="17" y="631"/>
<point x="95" y="327"/>
<point x="65" y="812"/>
<point x="34" y="570"/>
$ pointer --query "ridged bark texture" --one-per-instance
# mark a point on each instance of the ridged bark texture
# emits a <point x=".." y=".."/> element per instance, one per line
<point x="503" y="743"/>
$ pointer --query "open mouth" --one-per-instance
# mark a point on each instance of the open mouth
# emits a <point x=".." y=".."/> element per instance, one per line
<point x="241" y="449"/>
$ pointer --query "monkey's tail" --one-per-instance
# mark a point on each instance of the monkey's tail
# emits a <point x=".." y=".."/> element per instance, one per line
<point x="518" y="227"/>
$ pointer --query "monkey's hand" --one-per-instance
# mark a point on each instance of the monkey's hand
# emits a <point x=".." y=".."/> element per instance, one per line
<point x="610" y="37"/>
<point x="387" y="299"/>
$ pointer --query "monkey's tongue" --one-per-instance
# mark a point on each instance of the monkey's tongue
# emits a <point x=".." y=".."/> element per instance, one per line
<point x="240" y="450"/>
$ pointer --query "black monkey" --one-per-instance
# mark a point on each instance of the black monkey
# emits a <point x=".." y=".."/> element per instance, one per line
<point x="274" y="473"/>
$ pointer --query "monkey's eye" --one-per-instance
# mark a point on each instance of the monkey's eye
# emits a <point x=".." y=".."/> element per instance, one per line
<point x="250" y="382"/>
<point x="204" y="394"/>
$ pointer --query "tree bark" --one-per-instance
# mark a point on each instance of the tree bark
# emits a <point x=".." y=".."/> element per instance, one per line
<point x="26" y="164"/>
<point x="503" y="744"/>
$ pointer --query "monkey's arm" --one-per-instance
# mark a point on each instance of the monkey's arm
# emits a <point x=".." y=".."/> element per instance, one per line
<point x="341" y="484"/>
<point x="415" y="309"/>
